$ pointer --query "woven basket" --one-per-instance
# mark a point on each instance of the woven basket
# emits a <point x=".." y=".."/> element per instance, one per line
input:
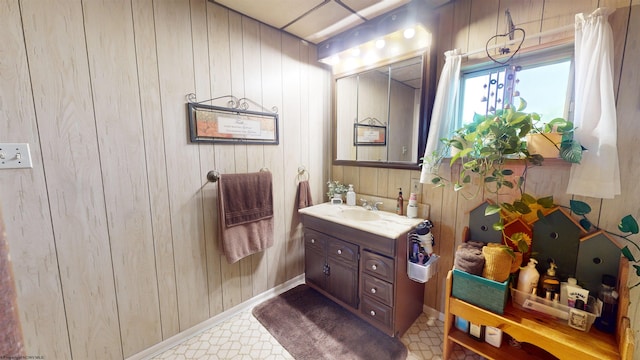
<point x="497" y="263"/>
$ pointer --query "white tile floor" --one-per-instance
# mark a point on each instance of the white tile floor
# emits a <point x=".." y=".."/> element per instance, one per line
<point x="243" y="337"/>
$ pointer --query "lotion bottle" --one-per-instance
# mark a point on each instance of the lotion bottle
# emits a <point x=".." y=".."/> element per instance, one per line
<point x="527" y="280"/>
<point x="351" y="196"/>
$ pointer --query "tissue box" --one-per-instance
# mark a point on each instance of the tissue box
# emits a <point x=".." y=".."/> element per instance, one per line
<point x="487" y="294"/>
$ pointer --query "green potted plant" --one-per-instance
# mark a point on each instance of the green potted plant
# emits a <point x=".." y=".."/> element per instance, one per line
<point x="553" y="139"/>
<point x="485" y="145"/>
<point x="336" y="189"/>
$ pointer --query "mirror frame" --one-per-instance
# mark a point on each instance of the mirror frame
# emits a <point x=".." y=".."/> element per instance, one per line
<point x="426" y="106"/>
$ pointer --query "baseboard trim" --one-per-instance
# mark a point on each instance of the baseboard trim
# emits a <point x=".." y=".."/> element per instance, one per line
<point x="217" y="319"/>
<point x="432" y="313"/>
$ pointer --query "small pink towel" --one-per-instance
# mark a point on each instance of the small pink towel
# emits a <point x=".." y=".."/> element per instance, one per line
<point x="246" y="214"/>
<point x="303" y="197"/>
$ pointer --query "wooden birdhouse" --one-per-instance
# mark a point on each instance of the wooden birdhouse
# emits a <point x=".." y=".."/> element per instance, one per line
<point x="518" y="225"/>
<point x="481" y="226"/>
<point x="557" y="237"/>
<point x="599" y="254"/>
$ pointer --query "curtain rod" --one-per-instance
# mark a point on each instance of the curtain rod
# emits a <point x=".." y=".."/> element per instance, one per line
<point x="538" y="35"/>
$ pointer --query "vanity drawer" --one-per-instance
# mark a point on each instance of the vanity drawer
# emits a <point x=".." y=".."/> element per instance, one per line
<point x="343" y="251"/>
<point x="378" y="265"/>
<point x="377" y="289"/>
<point x="314" y="240"/>
<point x="376" y="312"/>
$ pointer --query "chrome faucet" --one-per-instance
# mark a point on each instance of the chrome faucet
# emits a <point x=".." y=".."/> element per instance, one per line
<point x="375" y="205"/>
<point x="365" y="204"/>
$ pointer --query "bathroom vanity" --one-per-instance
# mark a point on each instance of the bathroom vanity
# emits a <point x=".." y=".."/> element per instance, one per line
<point x="358" y="258"/>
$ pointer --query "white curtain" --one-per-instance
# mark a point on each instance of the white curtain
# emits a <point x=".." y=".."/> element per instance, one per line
<point x="444" y="109"/>
<point x="598" y="174"/>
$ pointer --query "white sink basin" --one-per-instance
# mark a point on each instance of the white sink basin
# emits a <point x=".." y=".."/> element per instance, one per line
<point x="360" y="215"/>
<point x="379" y="222"/>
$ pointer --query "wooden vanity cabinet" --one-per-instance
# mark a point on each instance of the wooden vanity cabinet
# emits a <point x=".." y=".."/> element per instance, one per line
<point x="332" y="265"/>
<point x="363" y="272"/>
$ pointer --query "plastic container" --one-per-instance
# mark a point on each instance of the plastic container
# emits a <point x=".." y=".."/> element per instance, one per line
<point x="527" y="280"/>
<point x="576" y="318"/>
<point x="423" y="272"/>
<point x="351" y="196"/>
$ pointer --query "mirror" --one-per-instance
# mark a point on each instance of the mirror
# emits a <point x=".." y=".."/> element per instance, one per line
<point x="379" y="117"/>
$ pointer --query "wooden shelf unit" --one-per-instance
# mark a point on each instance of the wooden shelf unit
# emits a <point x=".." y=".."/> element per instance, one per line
<point x="551" y="335"/>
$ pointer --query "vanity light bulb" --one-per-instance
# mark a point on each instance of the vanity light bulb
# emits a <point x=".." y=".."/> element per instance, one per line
<point x="380" y="43"/>
<point x="335" y="59"/>
<point x="355" y="52"/>
<point x="409" y="33"/>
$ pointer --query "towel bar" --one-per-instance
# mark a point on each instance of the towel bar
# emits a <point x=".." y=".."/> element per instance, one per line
<point x="214" y="175"/>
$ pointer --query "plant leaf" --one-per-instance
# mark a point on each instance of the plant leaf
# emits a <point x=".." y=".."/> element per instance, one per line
<point x="637" y="269"/>
<point x="499" y="226"/>
<point x="585" y="223"/>
<point x="628" y="224"/>
<point x="521" y="207"/>
<point x="491" y="209"/>
<point x="571" y="151"/>
<point x="528" y="199"/>
<point x="579" y="207"/>
<point x="627" y="253"/>
<point x="546" y="202"/>
<point x="522" y="105"/>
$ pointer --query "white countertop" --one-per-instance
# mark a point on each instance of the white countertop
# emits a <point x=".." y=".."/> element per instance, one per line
<point x="388" y="224"/>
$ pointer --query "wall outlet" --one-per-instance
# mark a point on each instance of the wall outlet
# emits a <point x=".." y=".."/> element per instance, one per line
<point x="15" y="156"/>
<point x="416" y="186"/>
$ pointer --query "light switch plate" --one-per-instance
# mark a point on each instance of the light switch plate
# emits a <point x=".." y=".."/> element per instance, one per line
<point x="15" y="156"/>
<point x="416" y="186"/>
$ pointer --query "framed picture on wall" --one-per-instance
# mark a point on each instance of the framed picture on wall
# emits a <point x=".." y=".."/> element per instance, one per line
<point x="369" y="135"/>
<point x="231" y="126"/>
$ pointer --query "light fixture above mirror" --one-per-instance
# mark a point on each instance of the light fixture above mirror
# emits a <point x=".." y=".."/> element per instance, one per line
<point x="382" y="70"/>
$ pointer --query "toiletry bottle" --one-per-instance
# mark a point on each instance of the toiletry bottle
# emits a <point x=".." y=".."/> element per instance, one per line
<point x="351" y="196"/>
<point x="564" y="297"/>
<point x="549" y="283"/>
<point x="609" y="297"/>
<point x="400" y="203"/>
<point x="527" y="280"/>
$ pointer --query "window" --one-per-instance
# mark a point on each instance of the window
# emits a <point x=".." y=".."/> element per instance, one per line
<point x="544" y="81"/>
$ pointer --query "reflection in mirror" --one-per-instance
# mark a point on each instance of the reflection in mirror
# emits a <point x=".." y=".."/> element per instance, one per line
<point x="388" y="96"/>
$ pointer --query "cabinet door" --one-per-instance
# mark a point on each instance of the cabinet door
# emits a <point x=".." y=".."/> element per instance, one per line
<point x="314" y="256"/>
<point x="342" y="281"/>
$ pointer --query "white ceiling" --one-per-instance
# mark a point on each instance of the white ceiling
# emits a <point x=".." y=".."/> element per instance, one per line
<point x="316" y="20"/>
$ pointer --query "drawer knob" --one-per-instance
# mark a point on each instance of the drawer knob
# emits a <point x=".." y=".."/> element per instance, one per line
<point x="339" y="252"/>
<point x="373" y="290"/>
<point x="313" y="241"/>
<point x="374" y="267"/>
<point x="373" y="313"/>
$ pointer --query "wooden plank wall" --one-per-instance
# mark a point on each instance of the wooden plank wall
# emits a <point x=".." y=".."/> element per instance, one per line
<point x="467" y="25"/>
<point x="113" y="232"/>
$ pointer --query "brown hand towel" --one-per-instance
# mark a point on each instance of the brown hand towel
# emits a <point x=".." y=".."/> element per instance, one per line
<point x="469" y="258"/>
<point x="303" y="198"/>
<point x="247" y="197"/>
<point x="246" y="214"/>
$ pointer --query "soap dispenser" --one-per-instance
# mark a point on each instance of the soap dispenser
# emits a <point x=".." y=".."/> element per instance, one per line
<point x="550" y="284"/>
<point x="351" y="196"/>
<point x="399" y="203"/>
